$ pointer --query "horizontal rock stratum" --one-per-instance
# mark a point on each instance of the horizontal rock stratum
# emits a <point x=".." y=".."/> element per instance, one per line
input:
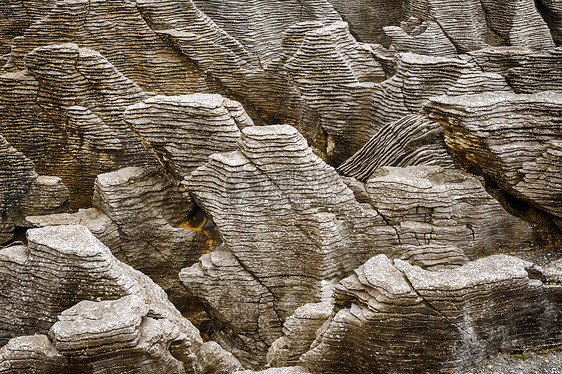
<point x="282" y="187"/>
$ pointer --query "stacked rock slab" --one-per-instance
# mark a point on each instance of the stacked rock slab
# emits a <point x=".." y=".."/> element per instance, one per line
<point x="527" y="71"/>
<point x="284" y="240"/>
<point x="421" y="37"/>
<point x="185" y="130"/>
<point x="65" y="114"/>
<point x="149" y="222"/>
<point x="64" y="265"/>
<point x="367" y="18"/>
<point x="429" y="205"/>
<point x="514" y="140"/>
<point x="473" y="24"/>
<point x="413" y="140"/>
<point x="334" y="76"/>
<point x="447" y="320"/>
<point x="17" y="173"/>
<point x="135" y="49"/>
<point x="417" y="78"/>
<point x="23" y="192"/>
<point x="265" y="22"/>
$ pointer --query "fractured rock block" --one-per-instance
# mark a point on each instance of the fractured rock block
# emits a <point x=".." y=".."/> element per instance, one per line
<point x="23" y="192"/>
<point x="69" y="104"/>
<point x="514" y="140"/>
<point x="411" y="141"/>
<point x="291" y="224"/>
<point x="429" y="205"/>
<point x="185" y="130"/>
<point x="67" y="264"/>
<point x="394" y="317"/>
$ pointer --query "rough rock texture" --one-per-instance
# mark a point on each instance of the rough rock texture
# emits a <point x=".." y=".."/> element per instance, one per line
<point x="421" y="37"/>
<point x="269" y="225"/>
<point x="514" y="140"/>
<point x="185" y="130"/>
<point x="65" y="114"/>
<point x="459" y="316"/>
<point x="299" y="331"/>
<point x="114" y="103"/>
<point x="413" y="140"/>
<point x="23" y="192"/>
<point x="474" y="24"/>
<point x="63" y="265"/>
<point x="430" y="205"/>
<point x="149" y="222"/>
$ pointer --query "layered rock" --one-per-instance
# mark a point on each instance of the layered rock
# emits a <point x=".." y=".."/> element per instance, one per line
<point x="24" y="193"/>
<point x="64" y="265"/>
<point x="447" y="320"/>
<point x="367" y="18"/>
<point x="429" y="205"/>
<point x="527" y="71"/>
<point x="472" y="25"/>
<point x="265" y="22"/>
<point x="413" y="140"/>
<point x="299" y="331"/>
<point x="285" y="241"/>
<point x="420" y="37"/>
<point x="148" y="222"/>
<point x="514" y="140"/>
<point x="69" y="105"/>
<point x="185" y="130"/>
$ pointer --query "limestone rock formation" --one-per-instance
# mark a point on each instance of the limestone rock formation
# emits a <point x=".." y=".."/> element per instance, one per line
<point x="411" y="141"/>
<point x="23" y="192"/>
<point x="185" y="130"/>
<point x="64" y="265"/>
<point x="447" y="319"/>
<point x="284" y="173"/>
<point x="149" y="222"/>
<point x="283" y="242"/>
<point x="65" y="114"/>
<point x="513" y="140"/>
<point x="435" y="206"/>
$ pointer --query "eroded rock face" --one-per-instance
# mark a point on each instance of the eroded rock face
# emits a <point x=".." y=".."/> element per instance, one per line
<point x="141" y="329"/>
<point x="411" y="141"/>
<point x="149" y="222"/>
<point x="65" y="114"/>
<point x="285" y="242"/>
<point x="435" y="206"/>
<point x="23" y="192"/>
<point x="460" y="316"/>
<point x="514" y="140"/>
<point x="185" y="130"/>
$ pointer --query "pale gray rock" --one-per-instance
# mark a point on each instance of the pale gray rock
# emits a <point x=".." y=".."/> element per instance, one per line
<point x="23" y="192"/>
<point x="149" y="222"/>
<point x="32" y="354"/>
<point x="299" y="331"/>
<point x="285" y="241"/>
<point x="411" y="141"/>
<point x="157" y="228"/>
<point x="67" y="264"/>
<point x="513" y="140"/>
<point x="185" y="130"/>
<point x="447" y="320"/>
<point x="429" y="205"/>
